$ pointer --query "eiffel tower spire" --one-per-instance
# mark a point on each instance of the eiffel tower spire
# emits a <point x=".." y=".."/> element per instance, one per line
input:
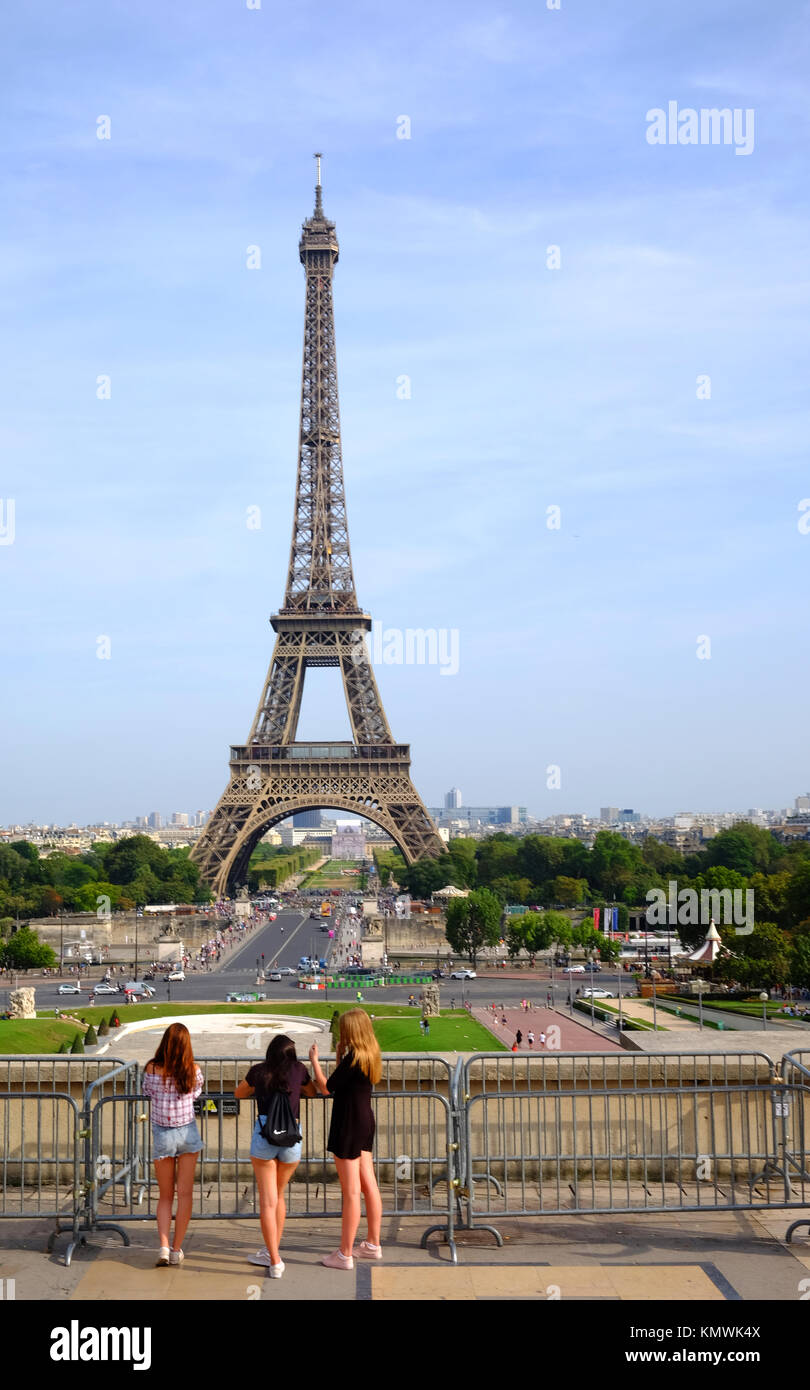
<point x="319" y="624"/>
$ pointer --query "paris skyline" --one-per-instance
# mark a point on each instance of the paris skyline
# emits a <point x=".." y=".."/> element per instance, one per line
<point x="480" y="387"/>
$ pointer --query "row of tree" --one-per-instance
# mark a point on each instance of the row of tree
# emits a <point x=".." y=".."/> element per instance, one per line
<point x="128" y="873"/>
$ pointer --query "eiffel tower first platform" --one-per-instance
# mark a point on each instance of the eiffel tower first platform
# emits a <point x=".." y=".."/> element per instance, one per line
<point x="320" y="624"/>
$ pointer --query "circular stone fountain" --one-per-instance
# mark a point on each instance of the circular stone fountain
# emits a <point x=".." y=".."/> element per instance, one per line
<point x="215" y="1035"/>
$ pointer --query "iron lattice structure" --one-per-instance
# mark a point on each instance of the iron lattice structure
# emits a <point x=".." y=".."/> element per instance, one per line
<point x="320" y="624"/>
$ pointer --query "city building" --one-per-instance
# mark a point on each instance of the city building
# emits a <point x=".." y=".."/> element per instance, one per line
<point x="609" y="813"/>
<point x="349" y="844"/>
<point x="308" y="820"/>
<point x="452" y="799"/>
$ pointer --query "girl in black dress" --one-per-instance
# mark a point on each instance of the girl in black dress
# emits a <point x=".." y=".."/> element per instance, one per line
<point x="351" y="1133"/>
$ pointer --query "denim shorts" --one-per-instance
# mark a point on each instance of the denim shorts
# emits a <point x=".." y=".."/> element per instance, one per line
<point x="259" y="1147"/>
<point x="169" y="1141"/>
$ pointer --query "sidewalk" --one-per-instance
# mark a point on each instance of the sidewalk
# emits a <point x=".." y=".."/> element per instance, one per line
<point x="573" y="1036"/>
<point x="702" y="1256"/>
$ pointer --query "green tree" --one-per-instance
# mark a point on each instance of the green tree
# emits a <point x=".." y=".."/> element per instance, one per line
<point x="758" y="961"/>
<point x="78" y="1044"/>
<point x="24" y="951"/>
<point x="569" y="891"/>
<point x="90" y="1037"/>
<point x="797" y="894"/>
<point x="800" y="960"/>
<point x="473" y="922"/>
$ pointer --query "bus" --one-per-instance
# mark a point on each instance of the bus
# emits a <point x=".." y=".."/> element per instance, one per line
<point x="326" y="909"/>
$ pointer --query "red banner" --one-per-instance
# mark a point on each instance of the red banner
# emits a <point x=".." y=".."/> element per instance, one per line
<point x="596" y="918"/>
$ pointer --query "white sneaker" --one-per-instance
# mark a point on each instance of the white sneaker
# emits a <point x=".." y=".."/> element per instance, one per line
<point x="176" y="1257"/>
<point x="276" y="1271"/>
<point x="163" y="1256"/>
<point x="262" y="1257"/>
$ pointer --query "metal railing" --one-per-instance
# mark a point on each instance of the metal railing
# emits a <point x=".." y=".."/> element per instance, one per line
<point x="40" y="1160"/>
<point x="490" y="1136"/>
<point x="563" y="1071"/>
<point x="551" y="1152"/>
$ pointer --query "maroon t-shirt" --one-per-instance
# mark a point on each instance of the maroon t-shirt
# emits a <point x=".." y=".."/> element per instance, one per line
<point x="297" y="1079"/>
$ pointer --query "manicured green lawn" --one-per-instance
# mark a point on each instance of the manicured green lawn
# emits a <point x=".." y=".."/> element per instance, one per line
<point x="396" y="1025"/>
<point x="453" y="1032"/>
<point x="34" y="1034"/>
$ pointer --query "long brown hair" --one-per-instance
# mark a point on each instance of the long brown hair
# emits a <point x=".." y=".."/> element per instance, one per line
<point x="175" y="1058"/>
<point x="357" y="1037"/>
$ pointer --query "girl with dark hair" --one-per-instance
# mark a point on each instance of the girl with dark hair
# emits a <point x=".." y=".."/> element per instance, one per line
<point x="172" y="1081"/>
<point x="273" y="1164"/>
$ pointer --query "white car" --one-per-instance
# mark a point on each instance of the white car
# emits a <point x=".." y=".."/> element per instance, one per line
<point x="463" y="975"/>
<point x="175" y="975"/>
<point x="69" y="989"/>
<point x="574" y="970"/>
<point x="105" y="989"/>
<point x="597" y="994"/>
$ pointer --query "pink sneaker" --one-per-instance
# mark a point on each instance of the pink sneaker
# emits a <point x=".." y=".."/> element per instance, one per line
<point x="366" y="1251"/>
<point x="338" y="1261"/>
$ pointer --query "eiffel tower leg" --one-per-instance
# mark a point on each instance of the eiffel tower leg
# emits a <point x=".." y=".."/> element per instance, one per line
<point x="369" y="724"/>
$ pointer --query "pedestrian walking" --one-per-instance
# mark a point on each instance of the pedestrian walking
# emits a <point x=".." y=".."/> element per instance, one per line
<point x="503" y="1020"/>
<point x="518" y="1037"/>
<point x="278" y="1083"/>
<point x="530" y="1038"/>
<point x="172" y="1081"/>
<point x="427" y="1027"/>
<point x="351" y="1134"/>
<point x="542" y="1039"/>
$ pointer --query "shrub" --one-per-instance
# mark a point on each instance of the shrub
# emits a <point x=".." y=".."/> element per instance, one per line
<point x="77" y="1045"/>
<point x="103" y="1028"/>
<point x="64" y="1047"/>
<point x="90" y="1037"/>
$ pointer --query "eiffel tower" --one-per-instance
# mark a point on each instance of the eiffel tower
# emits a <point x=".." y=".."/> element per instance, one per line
<point x="320" y="624"/>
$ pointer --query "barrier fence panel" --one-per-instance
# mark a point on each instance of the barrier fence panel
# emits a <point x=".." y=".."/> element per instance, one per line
<point x="414" y="1158"/>
<point x="665" y="1149"/>
<point x="40" y="1159"/>
<point x="51" y="1071"/>
<point x="796" y="1068"/>
<point x="564" y="1071"/>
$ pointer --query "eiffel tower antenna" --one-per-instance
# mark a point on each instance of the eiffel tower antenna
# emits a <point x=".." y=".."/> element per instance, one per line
<point x="320" y="623"/>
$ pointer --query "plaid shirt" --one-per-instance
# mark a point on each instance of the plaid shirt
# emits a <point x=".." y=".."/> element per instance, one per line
<point x="169" y="1108"/>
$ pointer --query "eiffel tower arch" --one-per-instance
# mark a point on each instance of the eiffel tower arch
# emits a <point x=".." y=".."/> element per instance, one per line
<point x="320" y="623"/>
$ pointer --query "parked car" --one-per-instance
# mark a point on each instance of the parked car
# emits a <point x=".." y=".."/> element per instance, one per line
<point x="463" y="975"/>
<point x="597" y="994"/>
<point x="104" y="988"/>
<point x="174" y="975"/>
<point x="69" y="989"/>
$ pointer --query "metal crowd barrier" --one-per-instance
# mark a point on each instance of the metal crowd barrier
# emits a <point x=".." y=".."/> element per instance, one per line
<point x="491" y="1136"/>
<point x="562" y="1071"/>
<point x="656" y="1149"/>
<point x="415" y="1151"/>
<point x="40" y="1160"/>
<point x="796" y="1068"/>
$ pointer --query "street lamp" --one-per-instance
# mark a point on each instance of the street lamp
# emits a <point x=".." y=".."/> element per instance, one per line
<point x="700" y="985"/>
<point x="764" y="1001"/>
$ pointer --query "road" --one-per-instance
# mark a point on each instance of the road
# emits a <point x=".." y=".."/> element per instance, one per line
<point x="295" y="934"/>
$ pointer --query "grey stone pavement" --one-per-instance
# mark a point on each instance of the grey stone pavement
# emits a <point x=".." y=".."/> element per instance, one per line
<point x="706" y="1256"/>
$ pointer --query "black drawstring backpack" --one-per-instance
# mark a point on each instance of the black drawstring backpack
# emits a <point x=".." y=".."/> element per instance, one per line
<point x="279" y="1126"/>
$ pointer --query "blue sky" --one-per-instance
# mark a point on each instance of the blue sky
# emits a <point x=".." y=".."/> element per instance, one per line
<point x="530" y="387"/>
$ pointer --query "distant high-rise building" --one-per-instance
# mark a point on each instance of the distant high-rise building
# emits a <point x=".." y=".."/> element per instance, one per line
<point x="156" y="820"/>
<point x="609" y="813"/>
<point x="180" y="818"/>
<point x="308" y="820"/>
<point x="452" y="799"/>
<point x="628" y="814"/>
<point x="141" y="821"/>
<point x="802" y="803"/>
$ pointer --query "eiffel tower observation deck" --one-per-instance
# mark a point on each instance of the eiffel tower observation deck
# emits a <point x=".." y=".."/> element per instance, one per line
<point x="320" y="623"/>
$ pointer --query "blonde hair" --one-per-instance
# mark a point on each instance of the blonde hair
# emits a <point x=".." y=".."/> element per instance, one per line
<point x="357" y="1037"/>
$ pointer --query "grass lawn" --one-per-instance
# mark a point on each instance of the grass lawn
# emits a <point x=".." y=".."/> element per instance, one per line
<point x="751" y="1007"/>
<point x="452" y="1032"/>
<point x="396" y="1025"/>
<point x="329" y="876"/>
<point x="34" y="1034"/>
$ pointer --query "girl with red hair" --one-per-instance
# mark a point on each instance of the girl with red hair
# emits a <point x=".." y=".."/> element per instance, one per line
<point x="172" y="1081"/>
